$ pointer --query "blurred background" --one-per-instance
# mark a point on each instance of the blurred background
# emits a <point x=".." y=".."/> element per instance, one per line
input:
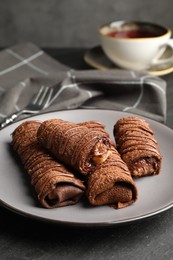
<point x="65" y="23"/>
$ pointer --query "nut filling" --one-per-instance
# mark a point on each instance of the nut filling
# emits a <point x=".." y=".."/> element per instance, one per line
<point x="100" y="152"/>
<point x="145" y="166"/>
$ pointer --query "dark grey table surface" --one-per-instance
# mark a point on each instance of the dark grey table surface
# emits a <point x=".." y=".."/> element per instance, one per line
<point x="22" y="238"/>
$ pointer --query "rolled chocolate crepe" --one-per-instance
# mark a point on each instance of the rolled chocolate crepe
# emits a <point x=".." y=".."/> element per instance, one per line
<point x="137" y="146"/>
<point x="76" y="145"/>
<point x="95" y="125"/>
<point x="54" y="183"/>
<point x="111" y="183"/>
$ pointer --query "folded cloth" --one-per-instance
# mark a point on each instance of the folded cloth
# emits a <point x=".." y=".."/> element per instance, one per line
<point x="24" y="68"/>
<point x="76" y="145"/>
<point x="137" y="146"/>
<point x="55" y="184"/>
<point x="111" y="183"/>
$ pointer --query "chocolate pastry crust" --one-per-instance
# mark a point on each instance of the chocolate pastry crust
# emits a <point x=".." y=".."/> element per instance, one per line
<point x="111" y="183"/>
<point x="55" y="184"/>
<point x="137" y="146"/>
<point x="81" y="146"/>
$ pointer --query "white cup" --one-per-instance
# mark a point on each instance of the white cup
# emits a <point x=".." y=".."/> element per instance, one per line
<point x="135" y="45"/>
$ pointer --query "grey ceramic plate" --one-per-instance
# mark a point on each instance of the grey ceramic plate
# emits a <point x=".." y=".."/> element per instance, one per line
<point x="155" y="193"/>
<point x="96" y="58"/>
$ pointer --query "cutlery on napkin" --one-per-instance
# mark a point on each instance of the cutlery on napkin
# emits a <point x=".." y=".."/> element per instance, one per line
<point x="24" y="68"/>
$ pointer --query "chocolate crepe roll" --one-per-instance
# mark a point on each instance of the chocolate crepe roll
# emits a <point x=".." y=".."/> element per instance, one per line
<point x="137" y="146"/>
<point x="111" y="183"/>
<point x="55" y="184"/>
<point x="94" y="125"/>
<point x="76" y="145"/>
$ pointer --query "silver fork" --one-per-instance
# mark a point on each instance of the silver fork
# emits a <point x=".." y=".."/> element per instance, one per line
<point x="40" y="101"/>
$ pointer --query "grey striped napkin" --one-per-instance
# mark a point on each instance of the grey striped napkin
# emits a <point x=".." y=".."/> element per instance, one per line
<point x="25" y="67"/>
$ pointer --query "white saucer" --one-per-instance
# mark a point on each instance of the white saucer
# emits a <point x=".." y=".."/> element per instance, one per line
<point x="96" y="58"/>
